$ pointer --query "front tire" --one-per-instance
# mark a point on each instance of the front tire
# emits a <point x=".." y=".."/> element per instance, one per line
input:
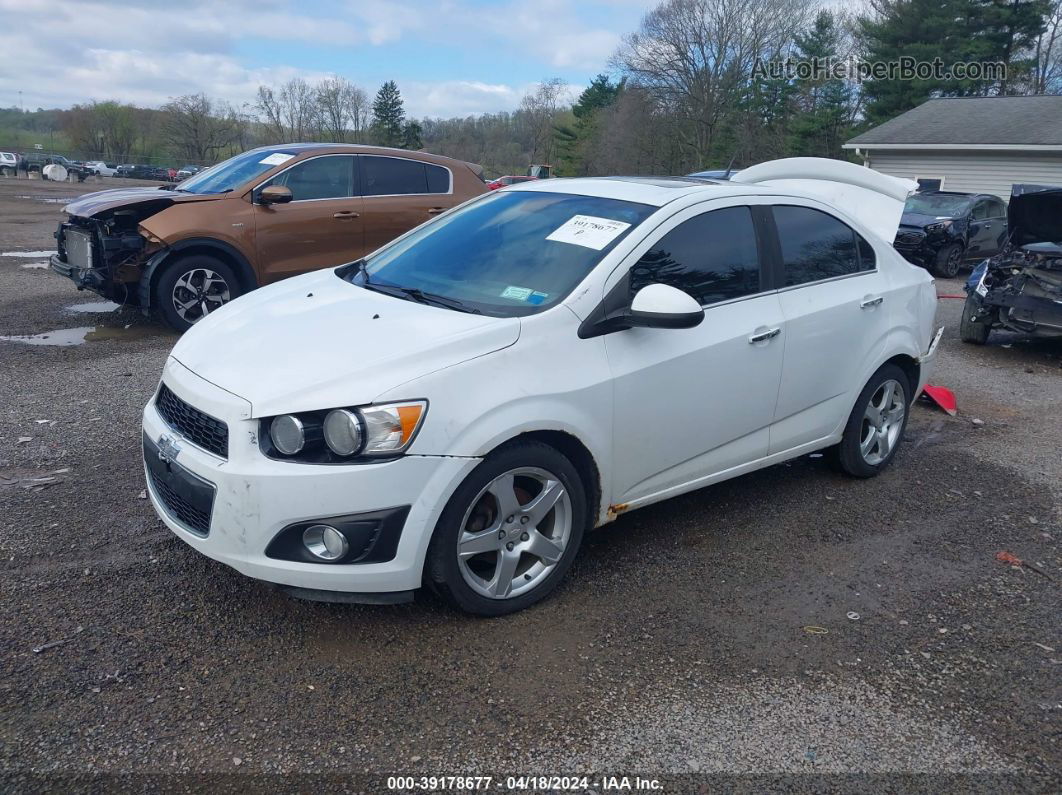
<point x="970" y="329"/>
<point x="949" y="261"/>
<point x="876" y="425"/>
<point x="191" y="287"/>
<point x="510" y="532"/>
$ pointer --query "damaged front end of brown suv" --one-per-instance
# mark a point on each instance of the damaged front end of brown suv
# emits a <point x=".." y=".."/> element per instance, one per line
<point x="1020" y="289"/>
<point x="182" y="252"/>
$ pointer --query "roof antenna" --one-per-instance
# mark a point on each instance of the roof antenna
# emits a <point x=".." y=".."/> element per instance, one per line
<point x="730" y="166"/>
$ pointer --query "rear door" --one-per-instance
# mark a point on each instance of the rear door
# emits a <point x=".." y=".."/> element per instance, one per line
<point x="990" y="221"/>
<point x="836" y="308"/>
<point x="319" y="228"/>
<point x="399" y="193"/>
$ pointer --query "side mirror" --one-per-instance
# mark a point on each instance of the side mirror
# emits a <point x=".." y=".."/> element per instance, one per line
<point x="654" y="306"/>
<point x="664" y="306"/>
<point x="274" y="194"/>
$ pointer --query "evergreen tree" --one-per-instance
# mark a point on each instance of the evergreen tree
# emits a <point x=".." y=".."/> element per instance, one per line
<point x="412" y="135"/>
<point x="1007" y="33"/>
<point x="824" y="103"/>
<point x="572" y="136"/>
<point x="388" y="115"/>
<point x="922" y="30"/>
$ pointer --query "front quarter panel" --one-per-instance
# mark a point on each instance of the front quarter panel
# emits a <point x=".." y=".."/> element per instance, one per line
<point x="230" y="220"/>
<point x="550" y="380"/>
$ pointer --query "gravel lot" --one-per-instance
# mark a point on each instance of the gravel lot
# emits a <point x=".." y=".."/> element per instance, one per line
<point x="675" y="649"/>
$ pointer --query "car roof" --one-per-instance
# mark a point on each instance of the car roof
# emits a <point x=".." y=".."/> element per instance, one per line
<point x="656" y="191"/>
<point x="354" y="149"/>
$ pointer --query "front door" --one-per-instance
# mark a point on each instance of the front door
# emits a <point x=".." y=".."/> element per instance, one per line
<point x="836" y="307"/>
<point x="695" y="402"/>
<point x="988" y="228"/>
<point x="400" y="193"/>
<point x="321" y="227"/>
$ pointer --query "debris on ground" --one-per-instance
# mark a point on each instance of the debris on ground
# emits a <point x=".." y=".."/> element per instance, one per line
<point x="54" y="643"/>
<point x="943" y="397"/>
<point x="1013" y="560"/>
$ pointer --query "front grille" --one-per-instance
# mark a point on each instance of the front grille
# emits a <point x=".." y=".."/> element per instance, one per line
<point x="179" y="508"/>
<point x="78" y="246"/>
<point x="195" y="426"/>
<point x="909" y="238"/>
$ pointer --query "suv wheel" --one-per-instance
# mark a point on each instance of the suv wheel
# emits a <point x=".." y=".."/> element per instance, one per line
<point x="192" y="287"/>
<point x="876" y="425"/>
<point x="949" y="260"/>
<point x="510" y="532"/>
<point x="970" y="329"/>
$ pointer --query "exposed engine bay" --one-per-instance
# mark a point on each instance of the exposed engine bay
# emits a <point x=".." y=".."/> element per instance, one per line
<point x="1020" y="288"/>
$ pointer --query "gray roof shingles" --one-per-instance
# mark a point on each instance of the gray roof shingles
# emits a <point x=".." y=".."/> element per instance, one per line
<point x="1035" y="121"/>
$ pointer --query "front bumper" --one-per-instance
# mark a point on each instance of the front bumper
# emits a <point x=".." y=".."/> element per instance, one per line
<point x="256" y="498"/>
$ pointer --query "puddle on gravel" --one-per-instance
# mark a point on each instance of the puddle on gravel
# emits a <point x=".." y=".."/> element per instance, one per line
<point x="34" y="265"/>
<point x="92" y="307"/>
<point x="27" y="254"/>
<point x="67" y="337"/>
<point x="49" y="199"/>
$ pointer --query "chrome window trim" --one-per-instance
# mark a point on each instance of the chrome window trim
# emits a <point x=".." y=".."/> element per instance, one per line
<point x="449" y="192"/>
<point x="286" y="169"/>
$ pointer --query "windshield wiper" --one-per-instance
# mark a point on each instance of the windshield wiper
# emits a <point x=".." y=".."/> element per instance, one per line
<point x="421" y="297"/>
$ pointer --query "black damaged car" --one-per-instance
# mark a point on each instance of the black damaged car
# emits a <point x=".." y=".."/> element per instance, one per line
<point x="941" y="230"/>
<point x="1020" y="288"/>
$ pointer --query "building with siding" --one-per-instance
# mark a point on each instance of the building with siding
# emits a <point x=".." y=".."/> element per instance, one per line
<point x="973" y="144"/>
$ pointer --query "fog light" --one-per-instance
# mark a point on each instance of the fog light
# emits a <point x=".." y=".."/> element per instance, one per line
<point x="325" y="542"/>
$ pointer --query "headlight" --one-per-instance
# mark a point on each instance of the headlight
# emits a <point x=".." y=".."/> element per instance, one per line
<point x="323" y="437"/>
<point x="288" y="434"/>
<point x="389" y="428"/>
<point x="940" y="227"/>
<point x="342" y="432"/>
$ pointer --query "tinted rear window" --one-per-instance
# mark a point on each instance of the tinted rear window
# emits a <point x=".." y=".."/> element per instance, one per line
<point x="815" y="245"/>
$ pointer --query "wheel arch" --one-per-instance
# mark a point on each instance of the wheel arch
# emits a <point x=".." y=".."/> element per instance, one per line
<point x="227" y="253"/>
<point x="911" y="368"/>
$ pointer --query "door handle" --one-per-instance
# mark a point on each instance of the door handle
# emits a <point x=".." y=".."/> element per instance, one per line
<point x="436" y="210"/>
<point x="344" y="214"/>
<point x="870" y="303"/>
<point x="763" y="336"/>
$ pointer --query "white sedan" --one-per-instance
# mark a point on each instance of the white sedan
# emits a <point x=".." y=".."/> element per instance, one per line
<point x="457" y="409"/>
<point x="101" y="169"/>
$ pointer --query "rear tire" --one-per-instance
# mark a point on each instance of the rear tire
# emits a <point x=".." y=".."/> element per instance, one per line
<point x="876" y="425"/>
<point x="949" y="261"/>
<point x="492" y="553"/>
<point x="970" y="329"/>
<point x="191" y="287"/>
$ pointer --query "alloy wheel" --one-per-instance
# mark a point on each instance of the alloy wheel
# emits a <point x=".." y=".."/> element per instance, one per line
<point x="199" y="292"/>
<point x="514" y="533"/>
<point x="882" y="422"/>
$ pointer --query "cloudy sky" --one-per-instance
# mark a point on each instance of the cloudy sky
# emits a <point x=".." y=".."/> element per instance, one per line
<point x="449" y="57"/>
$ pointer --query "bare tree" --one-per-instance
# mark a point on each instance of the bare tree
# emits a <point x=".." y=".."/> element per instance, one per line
<point x="1048" y="69"/>
<point x="289" y="113"/>
<point x="198" y="128"/>
<point x="538" y="111"/>
<point x="342" y="109"/>
<point x="696" y="56"/>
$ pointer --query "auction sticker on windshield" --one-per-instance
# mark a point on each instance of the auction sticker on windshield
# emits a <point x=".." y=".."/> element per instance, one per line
<point x="588" y="231"/>
<point x="276" y="159"/>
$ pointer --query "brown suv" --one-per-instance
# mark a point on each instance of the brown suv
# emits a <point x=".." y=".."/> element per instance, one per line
<point x="263" y="215"/>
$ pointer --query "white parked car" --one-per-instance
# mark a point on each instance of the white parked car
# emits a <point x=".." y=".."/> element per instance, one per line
<point x="460" y="407"/>
<point x="8" y="163"/>
<point x="101" y="169"/>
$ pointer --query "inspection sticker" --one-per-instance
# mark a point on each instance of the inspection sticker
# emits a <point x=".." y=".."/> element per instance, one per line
<point x="517" y="293"/>
<point x="588" y="231"/>
<point x="276" y="159"/>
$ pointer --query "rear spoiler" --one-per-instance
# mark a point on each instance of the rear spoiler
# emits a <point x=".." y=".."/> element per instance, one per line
<point x="874" y="199"/>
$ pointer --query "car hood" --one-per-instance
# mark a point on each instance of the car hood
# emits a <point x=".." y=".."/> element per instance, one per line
<point x="1034" y="214"/>
<point x="317" y="341"/>
<point x="922" y="220"/>
<point x="92" y="203"/>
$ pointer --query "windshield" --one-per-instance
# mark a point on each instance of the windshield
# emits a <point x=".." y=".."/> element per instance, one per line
<point x="937" y="204"/>
<point x="507" y="254"/>
<point x="234" y="172"/>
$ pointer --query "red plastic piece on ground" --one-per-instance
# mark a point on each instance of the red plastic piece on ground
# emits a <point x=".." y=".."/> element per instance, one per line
<point x="944" y="295"/>
<point x="1005" y="557"/>
<point x="943" y="397"/>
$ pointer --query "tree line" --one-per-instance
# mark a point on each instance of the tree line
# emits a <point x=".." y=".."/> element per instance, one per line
<point x="687" y="90"/>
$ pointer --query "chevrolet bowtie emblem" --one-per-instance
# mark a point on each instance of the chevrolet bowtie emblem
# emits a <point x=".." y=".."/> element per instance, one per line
<point x="168" y="448"/>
